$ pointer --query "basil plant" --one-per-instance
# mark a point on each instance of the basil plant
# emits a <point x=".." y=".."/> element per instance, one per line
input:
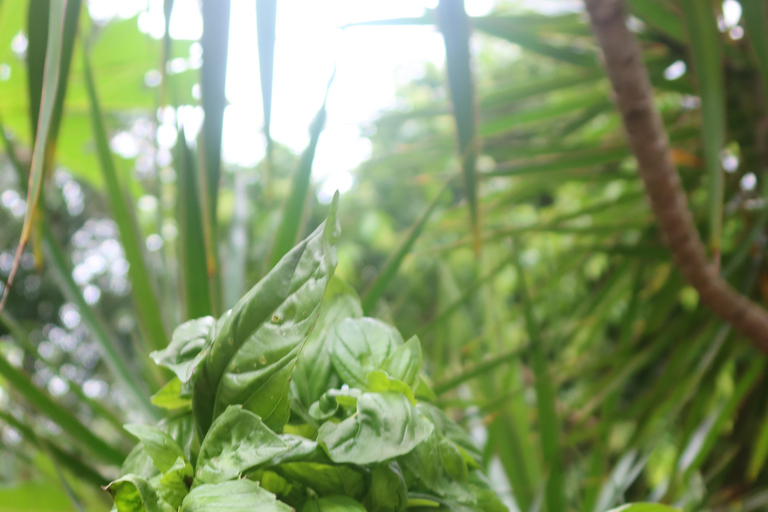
<point x="293" y="400"/>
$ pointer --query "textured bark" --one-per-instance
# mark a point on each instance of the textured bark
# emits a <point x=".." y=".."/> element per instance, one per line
<point x="634" y="95"/>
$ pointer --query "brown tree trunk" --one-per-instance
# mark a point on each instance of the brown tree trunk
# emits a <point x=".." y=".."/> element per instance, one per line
<point x="634" y="96"/>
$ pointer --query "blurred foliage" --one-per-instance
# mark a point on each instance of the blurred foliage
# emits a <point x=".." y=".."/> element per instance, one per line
<point x="654" y="399"/>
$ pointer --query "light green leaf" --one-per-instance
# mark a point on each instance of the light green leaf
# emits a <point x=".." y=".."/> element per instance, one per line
<point x="171" y="396"/>
<point x="314" y="372"/>
<point x="257" y="343"/>
<point x="450" y="430"/>
<point x="186" y="349"/>
<point x="385" y="426"/>
<point x="333" y="504"/>
<point x="236" y="442"/>
<point x="329" y="403"/>
<point x="160" y="446"/>
<point x="379" y="381"/>
<point x="232" y="496"/>
<point x="174" y="485"/>
<point x="388" y="492"/>
<point x="645" y="507"/>
<point x="132" y="493"/>
<point x="360" y="346"/>
<point x="405" y="362"/>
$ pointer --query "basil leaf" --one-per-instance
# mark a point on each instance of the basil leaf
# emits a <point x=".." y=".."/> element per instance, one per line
<point x="232" y="496"/>
<point x="405" y="362"/>
<point x="258" y="342"/>
<point x="329" y="403"/>
<point x="360" y="346"/>
<point x="138" y="463"/>
<point x="174" y="485"/>
<point x="160" y="446"/>
<point x="450" y="430"/>
<point x="333" y="504"/>
<point x="300" y="449"/>
<point x="186" y="349"/>
<point x="379" y="381"/>
<point x="385" y="426"/>
<point x="388" y="492"/>
<point x="171" y="396"/>
<point x="237" y="441"/>
<point x="133" y="493"/>
<point x="314" y="371"/>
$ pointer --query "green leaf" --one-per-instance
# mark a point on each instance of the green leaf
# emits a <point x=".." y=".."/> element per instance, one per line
<point x="215" y="44"/>
<point x="159" y="445"/>
<point x="191" y="243"/>
<point x="52" y="69"/>
<point x="707" y="58"/>
<point x="314" y="371"/>
<point x="385" y="426"/>
<point x="379" y="381"/>
<point x="361" y="345"/>
<point x="232" y="496"/>
<point x="545" y="401"/>
<point x="133" y="493"/>
<point x="145" y="298"/>
<point x="257" y="343"/>
<point x="266" y="21"/>
<point x="330" y="401"/>
<point x="404" y="363"/>
<point x="333" y="504"/>
<point x="450" y="430"/>
<point x="388" y="492"/>
<point x="171" y="396"/>
<point x="236" y="442"/>
<point x="454" y="25"/>
<point x="186" y="349"/>
<point x="324" y="479"/>
<point x="173" y="486"/>
<point x="645" y="507"/>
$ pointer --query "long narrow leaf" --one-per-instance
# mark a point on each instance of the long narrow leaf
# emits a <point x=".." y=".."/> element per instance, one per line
<point x="194" y="278"/>
<point x="266" y="21"/>
<point x="144" y="295"/>
<point x="549" y="423"/>
<point x="215" y="43"/>
<point x="754" y="17"/>
<point x="454" y="24"/>
<point x="47" y="107"/>
<point x="705" y="47"/>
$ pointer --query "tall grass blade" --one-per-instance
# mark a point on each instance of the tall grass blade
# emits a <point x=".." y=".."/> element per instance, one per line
<point x="266" y="21"/>
<point x="385" y="275"/>
<point x="215" y="43"/>
<point x="47" y="107"/>
<point x="454" y="25"/>
<point x="754" y="13"/>
<point x="707" y="58"/>
<point x="145" y="298"/>
<point x="194" y="278"/>
<point x="292" y="214"/>
<point x="549" y="423"/>
<point x="658" y="16"/>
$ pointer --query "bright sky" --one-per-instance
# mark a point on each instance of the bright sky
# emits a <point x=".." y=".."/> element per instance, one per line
<point x="370" y="61"/>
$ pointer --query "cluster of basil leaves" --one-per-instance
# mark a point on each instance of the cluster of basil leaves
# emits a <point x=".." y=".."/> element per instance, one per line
<point x="293" y="400"/>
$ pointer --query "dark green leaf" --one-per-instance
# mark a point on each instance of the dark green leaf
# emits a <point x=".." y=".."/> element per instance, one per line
<point x="256" y="344"/>
<point x="387" y="492"/>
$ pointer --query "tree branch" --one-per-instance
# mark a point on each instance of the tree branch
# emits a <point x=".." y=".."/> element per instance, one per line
<point x="623" y="62"/>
